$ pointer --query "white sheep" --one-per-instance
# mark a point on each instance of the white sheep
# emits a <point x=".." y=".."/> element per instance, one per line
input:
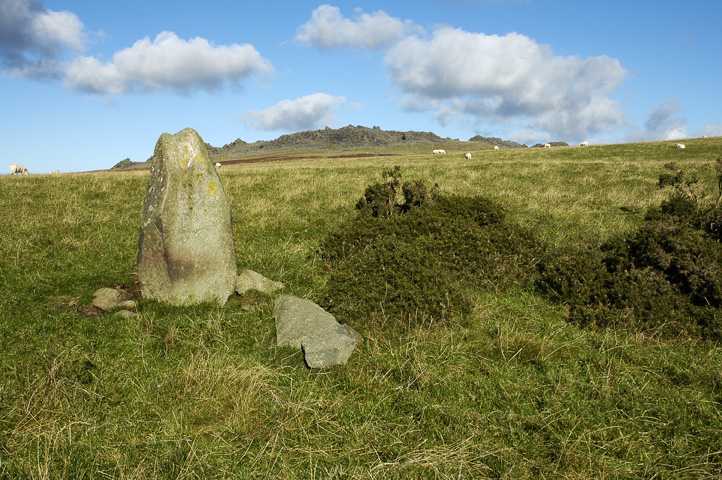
<point x="467" y="156"/>
<point x="680" y="145"/>
<point x="439" y="151"/>
<point x="54" y="172"/>
<point x="18" y="168"/>
<point x="496" y="147"/>
<point x="547" y="145"/>
<point x="218" y="164"/>
<point x="584" y="144"/>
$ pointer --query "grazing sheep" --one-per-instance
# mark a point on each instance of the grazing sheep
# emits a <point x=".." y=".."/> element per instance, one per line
<point x="496" y="147"/>
<point x="218" y="164"/>
<point x="680" y="145"/>
<point x="18" y="168"/>
<point x="437" y="152"/>
<point x="54" y="172"/>
<point x="547" y="145"/>
<point x="467" y="156"/>
<point x="584" y="144"/>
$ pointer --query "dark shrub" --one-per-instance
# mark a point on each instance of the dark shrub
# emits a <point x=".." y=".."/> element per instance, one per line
<point x="688" y="258"/>
<point x="602" y="290"/>
<point x="575" y="277"/>
<point x="396" y="279"/>
<point x="416" y="194"/>
<point x="665" y="279"/>
<point x="382" y="199"/>
<point x="680" y="208"/>
<point x="672" y="177"/>
<point x="414" y="263"/>
<point x="713" y="224"/>
<point x="379" y="200"/>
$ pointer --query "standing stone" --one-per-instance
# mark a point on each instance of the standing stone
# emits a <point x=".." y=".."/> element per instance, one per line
<point x="186" y="253"/>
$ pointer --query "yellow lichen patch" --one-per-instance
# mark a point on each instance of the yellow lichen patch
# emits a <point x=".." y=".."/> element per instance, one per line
<point x="212" y="187"/>
<point x="184" y="156"/>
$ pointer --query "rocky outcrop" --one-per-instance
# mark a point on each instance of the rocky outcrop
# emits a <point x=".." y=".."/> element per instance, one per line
<point x="553" y="144"/>
<point x="350" y="137"/>
<point x="497" y="142"/>
<point x="339" y="139"/>
<point x="186" y="253"/>
<point x="344" y="138"/>
<point x="229" y="147"/>
<point x="128" y="163"/>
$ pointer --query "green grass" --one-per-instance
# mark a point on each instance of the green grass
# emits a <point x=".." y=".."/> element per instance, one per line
<point x="510" y="391"/>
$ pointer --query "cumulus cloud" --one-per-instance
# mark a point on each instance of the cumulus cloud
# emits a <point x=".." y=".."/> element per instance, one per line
<point x="328" y="28"/>
<point x="305" y="113"/>
<point x="167" y="62"/>
<point x="663" y="123"/>
<point x="59" y="28"/>
<point x="458" y="75"/>
<point x="33" y="39"/>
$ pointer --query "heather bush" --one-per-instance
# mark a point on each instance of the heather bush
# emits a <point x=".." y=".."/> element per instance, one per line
<point x="417" y="261"/>
<point x="713" y="219"/>
<point x="687" y="256"/>
<point x="664" y="279"/>
<point x="382" y="199"/>
<point x="605" y="290"/>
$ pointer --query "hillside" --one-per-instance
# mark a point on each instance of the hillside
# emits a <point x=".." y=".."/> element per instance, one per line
<point x="347" y="138"/>
<point x="512" y="386"/>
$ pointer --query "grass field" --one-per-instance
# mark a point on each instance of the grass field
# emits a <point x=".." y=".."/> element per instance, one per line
<point x="510" y="391"/>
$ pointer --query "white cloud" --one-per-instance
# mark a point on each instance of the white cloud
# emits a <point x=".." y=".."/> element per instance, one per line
<point x="305" y="113"/>
<point x="90" y="75"/>
<point x="711" y="130"/>
<point x="328" y="28"/>
<point x="32" y="38"/>
<point x="459" y="75"/>
<point x="63" y="28"/>
<point x="663" y="123"/>
<point x="167" y="62"/>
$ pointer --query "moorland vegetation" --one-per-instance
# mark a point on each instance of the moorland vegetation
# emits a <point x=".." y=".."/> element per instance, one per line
<point x="528" y="313"/>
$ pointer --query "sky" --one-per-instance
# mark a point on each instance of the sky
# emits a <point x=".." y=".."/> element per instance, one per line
<point x="86" y="84"/>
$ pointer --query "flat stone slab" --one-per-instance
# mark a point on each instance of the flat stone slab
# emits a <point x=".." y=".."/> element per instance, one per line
<point x="109" y="298"/>
<point x="302" y="324"/>
<point x="250" y="280"/>
<point x="126" y="314"/>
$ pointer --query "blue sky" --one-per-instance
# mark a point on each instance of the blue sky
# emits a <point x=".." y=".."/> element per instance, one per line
<point x="85" y="84"/>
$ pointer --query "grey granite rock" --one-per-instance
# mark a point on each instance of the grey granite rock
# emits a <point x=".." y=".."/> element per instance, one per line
<point x="302" y="324"/>
<point x="186" y="253"/>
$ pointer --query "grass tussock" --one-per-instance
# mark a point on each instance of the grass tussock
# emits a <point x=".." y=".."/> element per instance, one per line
<point x="509" y="389"/>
